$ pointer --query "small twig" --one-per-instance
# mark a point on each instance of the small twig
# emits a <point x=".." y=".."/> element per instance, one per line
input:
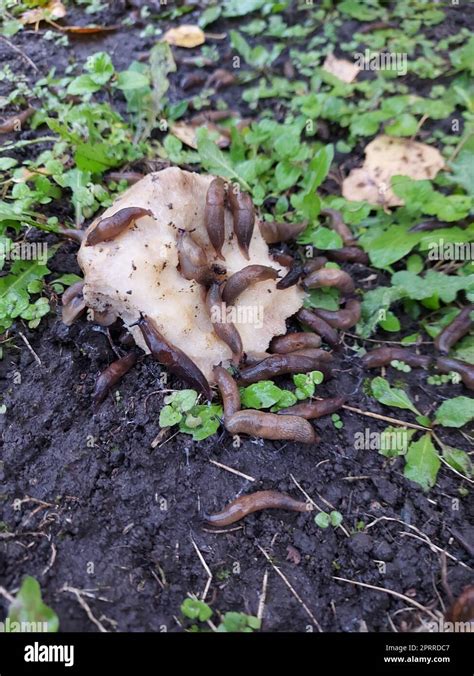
<point x="407" y="599"/>
<point x="292" y="590"/>
<point x="25" y="340"/>
<point x="206" y="568"/>
<point x="263" y="596"/>
<point x="22" y="54"/>
<point x="386" y="418"/>
<point x="6" y="595"/>
<point x="232" y="470"/>
<point x="29" y="142"/>
<point x="78" y="594"/>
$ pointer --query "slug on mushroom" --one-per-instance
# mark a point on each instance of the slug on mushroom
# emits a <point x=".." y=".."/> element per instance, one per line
<point x="193" y="263"/>
<point x="382" y="356"/>
<point x="214" y="214"/>
<point x="222" y="327"/>
<point x="458" y="328"/>
<point x="73" y="303"/>
<point x="255" y="502"/>
<point x="111" y="376"/>
<point x="108" y="228"/>
<point x="173" y="358"/>
<point x="243" y="213"/>
<point x="140" y="272"/>
<point x="271" y="426"/>
<point x="241" y="280"/>
<point x="314" y="409"/>
<point x="341" y="319"/>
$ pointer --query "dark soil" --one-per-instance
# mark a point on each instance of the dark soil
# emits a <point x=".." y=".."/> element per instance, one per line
<point x="87" y="502"/>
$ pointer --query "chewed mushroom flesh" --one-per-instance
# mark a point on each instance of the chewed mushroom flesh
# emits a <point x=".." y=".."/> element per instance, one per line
<point x="137" y="273"/>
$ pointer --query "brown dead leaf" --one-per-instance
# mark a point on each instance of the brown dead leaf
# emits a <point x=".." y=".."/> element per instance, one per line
<point x="87" y="30"/>
<point x="185" y="36"/>
<point x="187" y="134"/>
<point x="53" y="10"/>
<point x="387" y="156"/>
<point x="341" y="68"/>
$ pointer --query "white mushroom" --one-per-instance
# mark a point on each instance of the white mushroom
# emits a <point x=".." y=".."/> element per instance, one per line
<point x="137" y="272"/>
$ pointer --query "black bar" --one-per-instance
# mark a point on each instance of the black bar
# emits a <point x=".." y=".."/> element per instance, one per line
<point x="369" y="654"/>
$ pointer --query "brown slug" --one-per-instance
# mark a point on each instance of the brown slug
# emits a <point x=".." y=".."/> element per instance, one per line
<point x="174" y="359"/>
<point x="382" y="356"/>
<point x="295" y="341"/>
<point x="278" y="365"/>
<point x="16" y="122"/>
<point x="271" y="426"/>
<point x="228" y="390"/>
<point x="465" y="370"/>
<point x="111" y="376"/>
<point x="73" y="303"/>
<point x="255" y="502"/>
<point x="111" y="226"/>
<point x="458" y="328"/>
<point x="341" y="319"/>
<point x="241" y="280"/>
<point x="319" y="326"/>
<point x="329" y="277"/>
<point x="214" y="214"/>
<point x="193" y="262"/>
<point x="243" y="214"/>
<point x="314" y="409"/>
<point x="273" y="232"/>
<point x="338" y="225"/>
<point x="223" y="328"/>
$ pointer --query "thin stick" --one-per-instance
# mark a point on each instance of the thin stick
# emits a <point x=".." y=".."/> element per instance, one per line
<point x="3" y="592"/>
<point x="206" y="568"/>
<point x="423" y="537"/>
<point x="84" y="605"/>
<point x="435" y="548"/>
<point x="263" y="596"/>
<point x="29" y="142"/>
<point x="292" y="590"/>
<point x="25" y="340"/>
<point x="22" y="54"/>
<point x="386" y="418"/>
<point x="232" y="470"/>
<point x="407" y="599"/>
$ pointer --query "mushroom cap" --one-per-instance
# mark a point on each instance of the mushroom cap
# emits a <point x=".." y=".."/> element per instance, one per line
<point x="137" y="272"/>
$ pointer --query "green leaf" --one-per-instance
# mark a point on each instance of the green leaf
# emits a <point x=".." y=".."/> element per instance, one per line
<point x="391" y="323"/>
<point x="208" y="424"/>
<point x="391" y="396"/>
<point x="169" y="416"/>
<point x="196" y="610"/>
<point x="100" y="68"/>
<point x="422" y="462"/>
<point x="94" y="157"/>
<point x="131" y="79"/>
<point x="234" y="8"/>
<point x="261" y="395"/>
<point x="7" y="163"/>
<point x="161" y="65"/>
<point x="28" y="607"/>
<point x="455" y="412"/>
<point x="405" y="124"/>
<point x="322" y="519"/>
<point x="458" y="460"/>
<point x="335" y="518"/>
<point x="214" y="160"/>
<point x="182" y="400"/>
<point x="84" y="84"/>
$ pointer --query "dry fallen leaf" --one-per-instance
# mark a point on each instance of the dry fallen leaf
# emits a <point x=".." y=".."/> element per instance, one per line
<point x="53" y="10"/>
<point x="187" y="134"/>
<point x="341" y="68"/>
<point x="387" y="156"/>
<point x="185" y="36"/>
<point x="86" y="30"/>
